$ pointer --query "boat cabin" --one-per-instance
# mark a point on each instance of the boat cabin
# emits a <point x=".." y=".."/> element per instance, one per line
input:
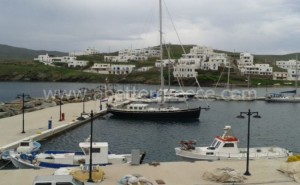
<point x="226" y="143"/>
<point x="99" y="151"/>
<point x="25" y="146"/>
<point x="137" y="107"/>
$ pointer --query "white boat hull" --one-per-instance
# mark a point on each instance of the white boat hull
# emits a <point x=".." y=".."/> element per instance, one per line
<point x="199" y="153"/>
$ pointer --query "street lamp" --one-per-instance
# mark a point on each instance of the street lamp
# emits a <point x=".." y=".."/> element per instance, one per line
<point x="23" y="96"/>
<point x="91" y="149"/>
<point x="59" y="97"/>
<point x="83" y="89"/>
<point x="249" y="114"/>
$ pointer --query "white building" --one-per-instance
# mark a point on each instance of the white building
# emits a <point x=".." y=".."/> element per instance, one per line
<point x="77" y="63"/>
<point x="46" y="59"/>
<point x="144" y="69"/>
<point x="70" y="60"/>
<point x="186" y="67"/>
<point x="185" y="71"/>
<point x="88" y="51"/>
<point x="121" y="69"/>
<point x="290" y="64"/>
<point x="165" y="62"/>
<point x="214" y="62"/>
<point x="280" y="75"/>
<point x="112" y="68"/>
<point x="133" y="55"/>
<point x="293" y="74"/>
<point x="246" y="59"/>
<point x="257" y="69"/>
<point x="202" y="50"/>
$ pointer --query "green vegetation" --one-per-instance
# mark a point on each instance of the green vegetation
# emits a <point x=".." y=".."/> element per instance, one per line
<point x="19" y="54"/>
<point x="16" y="65"/>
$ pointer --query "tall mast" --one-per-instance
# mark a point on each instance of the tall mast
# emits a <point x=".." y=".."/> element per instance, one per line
<point x="161" y="53"/>
<point x="228" y="75"/>
<point x="296" y="81"/>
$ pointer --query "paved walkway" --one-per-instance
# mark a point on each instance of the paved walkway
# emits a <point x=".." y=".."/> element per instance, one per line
<point x="37" y="121"/>
<point x="262" y="171"/>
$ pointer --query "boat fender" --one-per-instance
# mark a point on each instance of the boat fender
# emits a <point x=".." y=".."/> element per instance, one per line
<point x="142" y="157"/>
<point x="24" y="156"/>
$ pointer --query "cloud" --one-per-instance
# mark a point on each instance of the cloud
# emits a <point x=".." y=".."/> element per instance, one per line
<point x="269" y="26"/>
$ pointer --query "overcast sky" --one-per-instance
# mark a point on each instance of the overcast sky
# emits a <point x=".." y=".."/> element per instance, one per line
<point x="255" y="26"/>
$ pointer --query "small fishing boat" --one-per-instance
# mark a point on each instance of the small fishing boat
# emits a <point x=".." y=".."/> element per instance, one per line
<point x="58" y="159"/>
<point x="226" y="147"/>
<point x="26" y="146"/>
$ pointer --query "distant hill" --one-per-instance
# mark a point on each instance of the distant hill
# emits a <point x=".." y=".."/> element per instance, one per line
<point x="16" y="53"/>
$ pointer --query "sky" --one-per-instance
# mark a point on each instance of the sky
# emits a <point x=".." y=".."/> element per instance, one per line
<point x="255" y="26"/>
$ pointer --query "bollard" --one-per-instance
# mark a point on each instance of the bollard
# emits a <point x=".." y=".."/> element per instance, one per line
<point x="49" y="124"/>
<point x="63" y="116"/>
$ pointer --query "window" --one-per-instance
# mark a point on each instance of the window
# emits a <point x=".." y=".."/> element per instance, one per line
<point x="228" y="145"/>
<point x="214" y="142"/>
<point x="24" y="144"/>
<point x="218" y="144"/>
<point x="96" y="150"/>
<point x="64" y="183"/>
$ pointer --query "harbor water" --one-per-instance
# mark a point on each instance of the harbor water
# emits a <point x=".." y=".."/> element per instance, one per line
<point x="279" y="125"/>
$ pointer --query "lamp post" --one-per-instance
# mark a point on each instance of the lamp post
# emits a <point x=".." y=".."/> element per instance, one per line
<point x="59" y="97"/>
<point x="249" y="114"/>
<point x="91" y="149"/>
<point x="83" y="89"/>
<point x="23" y="96"/>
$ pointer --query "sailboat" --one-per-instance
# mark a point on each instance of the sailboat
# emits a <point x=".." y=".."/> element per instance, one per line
<point x="286" y="96"/>
<point x="229" y="95"/>
<point x="144" y="111"/>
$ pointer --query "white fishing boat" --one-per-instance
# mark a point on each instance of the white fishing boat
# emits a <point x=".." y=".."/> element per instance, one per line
<point x="58" y="159"/>
<point x="25" y="146"/>
<point x="226" y="147"/>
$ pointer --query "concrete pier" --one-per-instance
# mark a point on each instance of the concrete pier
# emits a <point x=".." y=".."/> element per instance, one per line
<point x="262" y="171"/>
<point x="36" y="123"/>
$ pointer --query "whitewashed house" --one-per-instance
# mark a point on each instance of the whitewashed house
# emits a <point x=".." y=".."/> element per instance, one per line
<point x="290" y="64"/>
<point x="185" y="71"/>
<point x="202" y="50"/>
<point x="77" y="63"/>
<point x="280" y="75"/>
<point x="144" y="69"/>
<point x="257" y="69"/>
<point x="186" y="67"/>
<point x="120" y="69"/>
<point x="165" y="62"/>
<point x="246" y="59"/>
<point x="214" y="62"/>
<point x="100" y="68"/>
<point x="46" y="59"/>
<point x="133" y="55"/>
<point x="293" y="74"/>
<point x="88" y="51"/>
<point x="71" y="61"/>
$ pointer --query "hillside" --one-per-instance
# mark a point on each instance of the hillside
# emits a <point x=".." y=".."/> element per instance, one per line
<point x="9" y="53"/>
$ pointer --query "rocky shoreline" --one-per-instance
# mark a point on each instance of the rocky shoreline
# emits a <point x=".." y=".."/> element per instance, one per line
<point x="15" y="107"/>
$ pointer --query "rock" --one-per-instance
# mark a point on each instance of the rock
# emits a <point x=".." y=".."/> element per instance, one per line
<point x="224" y="175"/>
<point x="290" y="168"/>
